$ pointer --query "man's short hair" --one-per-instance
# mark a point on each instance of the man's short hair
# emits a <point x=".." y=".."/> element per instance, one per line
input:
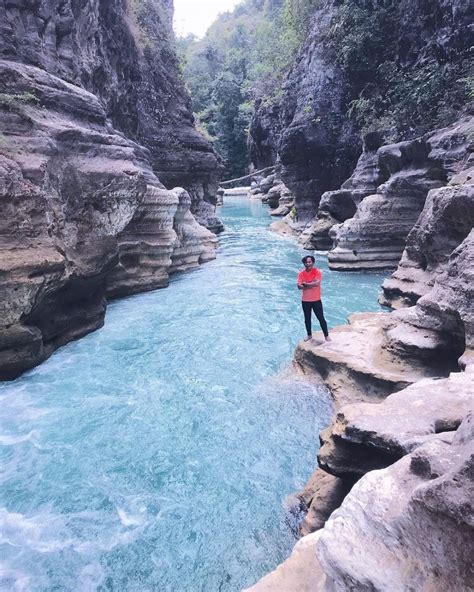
<point x="306" y="257"/>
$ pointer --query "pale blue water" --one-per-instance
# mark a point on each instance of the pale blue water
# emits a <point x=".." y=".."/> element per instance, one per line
<point x="157" y="453"/>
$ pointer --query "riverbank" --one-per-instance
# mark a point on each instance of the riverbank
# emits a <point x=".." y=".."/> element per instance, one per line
<point x="399" y="448"/>
<point x="136" y="454"/>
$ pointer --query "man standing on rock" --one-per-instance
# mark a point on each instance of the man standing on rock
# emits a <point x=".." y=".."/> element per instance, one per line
<point x="309" y="282"/>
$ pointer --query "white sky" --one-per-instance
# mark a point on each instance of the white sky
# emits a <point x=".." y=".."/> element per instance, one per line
<point x="195" y="16"/>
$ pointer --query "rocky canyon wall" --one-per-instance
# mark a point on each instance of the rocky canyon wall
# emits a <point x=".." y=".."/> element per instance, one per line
<point x="409" y="173"/>
<point x="390" y="504"/>
<point x="91" y="110"/>
<point x="377" y="66"/>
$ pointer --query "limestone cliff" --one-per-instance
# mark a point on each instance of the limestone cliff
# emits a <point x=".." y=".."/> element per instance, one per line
<point x="406" y="527"/>
<point x="83" y="211"/>
<point x="391" y="497"/>
<point x="364" y="66"/>
<point x="375" y="236"/>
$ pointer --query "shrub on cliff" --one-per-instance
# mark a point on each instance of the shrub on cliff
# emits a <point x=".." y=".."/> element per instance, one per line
<point x="397" y="81"/>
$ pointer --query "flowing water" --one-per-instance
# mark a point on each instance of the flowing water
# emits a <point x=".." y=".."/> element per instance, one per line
<point x="158" y="453"/>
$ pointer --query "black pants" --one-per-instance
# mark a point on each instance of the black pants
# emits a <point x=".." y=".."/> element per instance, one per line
<point x="317" y="306"/>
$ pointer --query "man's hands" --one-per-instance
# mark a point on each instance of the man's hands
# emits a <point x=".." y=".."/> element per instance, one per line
<point x="308" y="285"/>
<point x="312" y="284"/>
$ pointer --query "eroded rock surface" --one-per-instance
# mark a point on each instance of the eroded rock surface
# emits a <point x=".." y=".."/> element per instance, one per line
<point x="355" y="365"/>
<point x="338" y="206"/>
<point x="446" y="220"/>
<point x="323" y="494"/>
<point x="84" y="85"/>
<point x="375" y="237"/>
<point x="407" y="527"/>
<point x="70" y="185"/>
<point x="312" y="131"/>
<point x="440" y="328"/>
<point x="364" y="436"/>
<point x="285" y="200"/>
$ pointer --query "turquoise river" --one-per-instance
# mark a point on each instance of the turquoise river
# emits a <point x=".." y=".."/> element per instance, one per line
<point x="160" y="452"/>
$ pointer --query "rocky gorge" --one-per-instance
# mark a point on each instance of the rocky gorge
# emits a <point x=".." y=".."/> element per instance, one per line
<point x="389" y="507"/>
<point x="96" y="130"/>
<point x="107" y="189"/>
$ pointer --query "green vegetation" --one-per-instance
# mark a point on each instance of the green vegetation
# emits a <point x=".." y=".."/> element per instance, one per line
<point x="394" y="94"/>
<point x="244" y="56"/>
<point x="13" y="101"/>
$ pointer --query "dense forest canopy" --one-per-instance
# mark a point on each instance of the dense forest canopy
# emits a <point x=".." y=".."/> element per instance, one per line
<point x="246" y="55"/>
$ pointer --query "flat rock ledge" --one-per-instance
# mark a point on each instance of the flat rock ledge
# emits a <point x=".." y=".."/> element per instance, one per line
<point x="356" y="365"/>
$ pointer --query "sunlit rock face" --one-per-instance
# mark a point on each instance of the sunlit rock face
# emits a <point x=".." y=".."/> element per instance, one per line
<point x="80" y="194"/>
<point x="375" y="237"/>
<point x="407" y="527"/>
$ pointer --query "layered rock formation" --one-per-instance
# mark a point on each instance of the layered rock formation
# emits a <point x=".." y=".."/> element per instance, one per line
<point x="375" y="237"/>
<point x="364" y="437"/>
<point x="314" y="130"/>
<point x="282" y="199"/>
<point x="340" y="205"/>
<point x="392" y="495"/>
<point x="83" y="211"/>
<point x="446" y="220"/>
<point x="413" y="520"/>
<point x="407" y="527"/>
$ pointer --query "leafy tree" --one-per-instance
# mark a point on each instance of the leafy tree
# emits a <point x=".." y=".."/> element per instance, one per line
<point x="244" y="56"/>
